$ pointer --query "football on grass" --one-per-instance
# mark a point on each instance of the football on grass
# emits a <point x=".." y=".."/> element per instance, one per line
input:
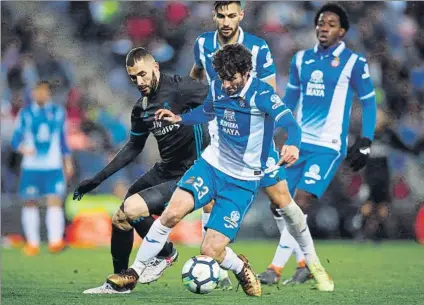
<point x="200" y="274"/>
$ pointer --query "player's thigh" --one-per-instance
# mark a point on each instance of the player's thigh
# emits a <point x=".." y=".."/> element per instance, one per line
<point x="151" y="178"/>
<point x="319" y="170"/>
<point x="231" y="205"/>
<point x="200" y="181"/>
<point x="30" y="185"/>
<point x="294" y="174"/>
<point x="214" y="244"/>
<point x="157" y="197"/>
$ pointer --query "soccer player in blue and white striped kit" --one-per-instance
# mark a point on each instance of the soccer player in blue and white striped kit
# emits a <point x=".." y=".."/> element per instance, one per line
<point x="40" y="138"/>
<point x="227" y="16"/>
<point x="245" y="110"/>
<point x="322" y="83"/>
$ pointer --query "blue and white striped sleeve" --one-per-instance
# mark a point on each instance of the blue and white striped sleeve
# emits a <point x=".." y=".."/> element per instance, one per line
<point x="362" y="83"/>
<point x="196" y="51"/>
<point x="292" y="95"/>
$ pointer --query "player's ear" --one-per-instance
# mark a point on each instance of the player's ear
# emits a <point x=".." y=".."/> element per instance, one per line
<point x="214" y="16"/>
<point x="342" y="32"/>
<point x="241" y="15"/>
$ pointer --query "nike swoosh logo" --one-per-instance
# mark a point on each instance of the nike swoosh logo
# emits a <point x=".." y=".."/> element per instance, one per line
<point x="309" y="61"/>
<point x="365" y="151"/>
<point x="151" y="240"/>
<point x="264" y="92"/>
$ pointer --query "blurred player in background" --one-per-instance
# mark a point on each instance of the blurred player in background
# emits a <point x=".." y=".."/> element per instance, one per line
<point x="228" y="15"/>
<point x="377" y="176"/>
<point x="230" y="171"/>
<point x="40" y="138"/>
<point x="178" y="146"/>
<point x="321" y="84"/>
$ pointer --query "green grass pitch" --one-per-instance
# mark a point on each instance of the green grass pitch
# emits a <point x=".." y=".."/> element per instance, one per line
<point x="391" y="273"/>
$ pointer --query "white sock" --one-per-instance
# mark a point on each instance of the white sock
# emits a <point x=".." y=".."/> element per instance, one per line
<point x="151" y="246"/>
<point x="31" y="224"/>
<point x="300" y="257"/>
<point x="298" y="228"/>
<point x="285" y="246"/>
<point x="55" y="223"/>
<point x="205" y="219"/>
<point x="231" y="261"/>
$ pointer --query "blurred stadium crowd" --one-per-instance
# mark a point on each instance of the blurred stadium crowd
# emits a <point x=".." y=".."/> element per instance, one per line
<point x="81" y="46"/>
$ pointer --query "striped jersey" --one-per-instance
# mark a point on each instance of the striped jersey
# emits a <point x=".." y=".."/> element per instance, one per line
<point x="322" y="84"/>
<point x="42" y="129"/>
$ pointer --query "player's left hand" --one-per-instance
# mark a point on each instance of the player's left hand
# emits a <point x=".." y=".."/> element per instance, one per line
<point x="167" y="115"/>
<point x="358" y="154"/>
<point x="289" y="155"/>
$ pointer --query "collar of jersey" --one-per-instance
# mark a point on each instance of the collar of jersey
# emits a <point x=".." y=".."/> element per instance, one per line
<point x="336" y="49"/>
<point x="216" y="42"/>
<point x="36" y="107"/>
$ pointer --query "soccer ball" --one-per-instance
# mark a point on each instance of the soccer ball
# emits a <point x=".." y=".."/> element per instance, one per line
<point x="200" y="274"/>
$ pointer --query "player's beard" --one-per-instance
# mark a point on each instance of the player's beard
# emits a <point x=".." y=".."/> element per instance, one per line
<point x="152" y="87"/>
<point x="235" y="89"/>
<point x="226" y="38"/>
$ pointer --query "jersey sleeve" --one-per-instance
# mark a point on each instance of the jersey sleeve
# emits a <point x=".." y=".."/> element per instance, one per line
<point x="292" y="94"/>
<point x="139" y="130"/>
<point x="192" y="92"/>
<point x="201" y="114"/>
<point x="19" y="132"/>
<point x="265" y="66"/>
<point x="66" y="150"/>
<point x="362" y="83"/>
<point x="196" y="51"/>
<point x="282" y="116"/>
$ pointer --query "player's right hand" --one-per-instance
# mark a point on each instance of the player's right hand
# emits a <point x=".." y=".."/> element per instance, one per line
<point x="289" y="155"/>
<point x="84" y="187"/>
<point x="167" y="115"/>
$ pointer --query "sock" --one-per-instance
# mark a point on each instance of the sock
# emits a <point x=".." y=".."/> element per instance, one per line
<point x="300" y="257"/>
<point x="151" y="246"/>
<point x="205" y="219"/>
<point x="55" y="223"/>
<point x="31" y="224"/>
<point x="232" y="261"/>
<point x="142" y="226"/>
<point x="120" y="247"/>
<point x="298" y="228"/>
<point x="285" y="246"/>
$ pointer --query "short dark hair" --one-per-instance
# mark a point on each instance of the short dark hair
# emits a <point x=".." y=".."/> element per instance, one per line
<point x="232" y="59"/>
<point x="219" y="4"/>
<point x="43" y="83"/>
<point x="336" y="9"/>
<point x="135" y="55"/>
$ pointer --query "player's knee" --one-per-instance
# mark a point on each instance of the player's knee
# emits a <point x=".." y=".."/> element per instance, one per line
<point x="30" y="203"/>
<point x="212" y="250"/>
<point x="119" y="220"/>
<point x="279" y="194"/>
<point x="135" y="207"/>
<point x="303" y="199"/>
<point x="366" y="208"/>
<point x="171" y="217"/>
<point x="54" y="201"/>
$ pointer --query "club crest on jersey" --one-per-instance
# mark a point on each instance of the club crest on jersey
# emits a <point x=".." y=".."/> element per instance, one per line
<point x="232" y="221"/>
<point x="228" y="123"/>
<point x="315" y="86"/>
<point x="242" y="102"/>
<point x="335" y="62"/>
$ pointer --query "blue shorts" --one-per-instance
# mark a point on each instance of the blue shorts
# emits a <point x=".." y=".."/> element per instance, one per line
<point x="36" y="183"/>
<point x="314" y="170"/>
<point x="273" y="173"/>
<point x="233" y="197"/>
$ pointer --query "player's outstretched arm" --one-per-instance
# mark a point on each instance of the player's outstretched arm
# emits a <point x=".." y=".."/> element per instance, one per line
<point x="197" y="73"/>
<point x="199" y="115"/>
<point x="127" y="154"/>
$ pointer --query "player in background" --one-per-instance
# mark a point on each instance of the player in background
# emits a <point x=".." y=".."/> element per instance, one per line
<point x="230" y="170"/>
<point x="227" y="16"/>
<point x="40" y="138"/>
<point x="178" y="147"/>
<point x="321" y="84"/>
